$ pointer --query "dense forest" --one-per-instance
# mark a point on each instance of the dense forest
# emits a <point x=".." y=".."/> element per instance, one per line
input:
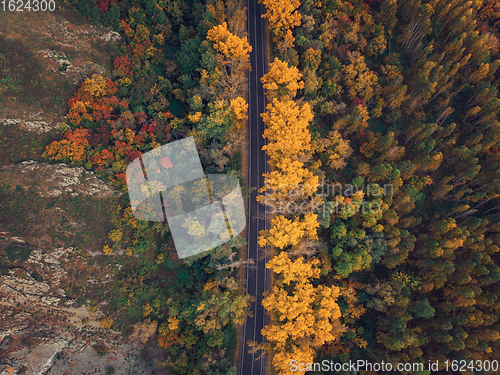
<point x="387" y="113"/>
<point x="383" y="142"/>
<point x="181" y="72"/>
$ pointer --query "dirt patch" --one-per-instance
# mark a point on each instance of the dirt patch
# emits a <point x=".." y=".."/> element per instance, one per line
<point x="54" y="205"/>
<point x="20" y="144"/>
<point x="124" y="359"/>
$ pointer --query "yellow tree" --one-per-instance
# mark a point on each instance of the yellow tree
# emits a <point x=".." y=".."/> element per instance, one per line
<point x="97" y="86"/>
<point x="359" y="79"/>
<point x="287" y="130"/>
<point x="302" y="354"/>
<point x="288" y="148"/>
<point x="286" y="43"/>
<point x="282" y="16"/>
<point x="285" y="232"/>
<point x="282" y="81"/>
<point x="233" y="55"/>
<point x="304" y="317"/>
<point x="239" y="106"/>
<point x="336" y="147"/>
<point x="394" y="91"/>
<point x="312" y="58"/>
<point x="291" y="187"/>
<point x="228" y="44"/>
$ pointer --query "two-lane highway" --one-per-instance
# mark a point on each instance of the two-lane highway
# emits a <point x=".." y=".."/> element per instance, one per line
<point x="258" y="276"/>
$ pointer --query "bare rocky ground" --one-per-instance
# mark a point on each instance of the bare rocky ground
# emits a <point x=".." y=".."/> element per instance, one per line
<point x="52" y="180"/>
<point x="43" y="331"/>
<point x="31" y="123"/>
<point x="54" y="218"/>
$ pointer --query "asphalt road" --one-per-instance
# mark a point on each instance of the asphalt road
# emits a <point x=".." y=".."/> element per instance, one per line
<point x="257" y="277"/>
